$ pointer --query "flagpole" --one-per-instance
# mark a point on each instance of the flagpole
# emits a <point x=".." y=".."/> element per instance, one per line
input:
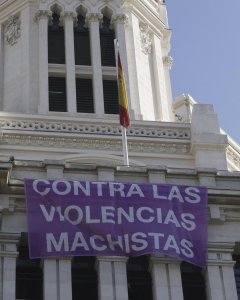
<point x="123" y="129"/>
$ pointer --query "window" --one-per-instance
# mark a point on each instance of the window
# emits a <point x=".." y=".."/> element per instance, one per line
<point x="81" y="43"/>
<point x="107" y="43"/>
<point x="84" y="278"/>
<point x="110" y="92"/>
<point x="193" y="282"/>
<point x="139" y="279"/>
<point x="84" y="92"/>
<point x="237" y="273"/>
<point x="57" y="94"/>
<point x="56" y="50"/>
<point x="29" y="277"/>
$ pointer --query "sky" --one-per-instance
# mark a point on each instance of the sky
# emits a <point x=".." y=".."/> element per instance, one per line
<point x="205" y="47"/>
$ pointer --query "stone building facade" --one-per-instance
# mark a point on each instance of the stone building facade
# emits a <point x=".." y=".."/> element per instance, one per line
<point x="58" y="116"/>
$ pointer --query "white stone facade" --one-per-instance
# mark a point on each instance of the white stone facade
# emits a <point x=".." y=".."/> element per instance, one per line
<point x="178" y="142"/>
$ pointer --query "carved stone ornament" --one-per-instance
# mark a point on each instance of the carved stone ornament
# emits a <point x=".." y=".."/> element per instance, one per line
<point x="120" y="19"/>
<point x="146" y="38"/>
<point x="168" y="61"/>
<point x="12" y="30"/>
<point x="94" y="17"/>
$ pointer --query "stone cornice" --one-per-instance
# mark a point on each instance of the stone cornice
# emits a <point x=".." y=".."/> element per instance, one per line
<point x="140" y="129"/>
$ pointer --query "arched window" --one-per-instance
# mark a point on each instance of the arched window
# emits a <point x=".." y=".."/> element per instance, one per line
<point x="193" y="282"/>
<point x="82" y="43"/>
<point x="139" y="279"/>
<point x="84" y="278"/>
<point x="107" y="36"/>
<point x="56" y="49"/>
<point x="29" y="276"/>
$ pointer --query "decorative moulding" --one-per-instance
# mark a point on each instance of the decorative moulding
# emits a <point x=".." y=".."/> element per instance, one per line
<point x="146" y="38"/>
<point x="12" y="30"/>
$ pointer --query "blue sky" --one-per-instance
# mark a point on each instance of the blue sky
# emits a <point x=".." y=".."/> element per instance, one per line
<point x="205" y="47"/>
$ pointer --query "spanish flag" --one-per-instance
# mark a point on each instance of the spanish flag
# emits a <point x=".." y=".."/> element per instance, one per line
<point x="122" y="96"/>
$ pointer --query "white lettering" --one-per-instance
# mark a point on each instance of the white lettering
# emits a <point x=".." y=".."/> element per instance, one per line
<point x="171" y="243"/>
<point x="41" y="183"/>
<point x="79" y="241"/>
<point x="187" y="251"/>
<point x="108" y="214"/>
<point x="193" y="192"/>
<point x="135" y="190"/>
<point x="94" y="245"/>
<point x="138" y="237"/>
<point x="78" y="212"/>
<point x="175" y="194"/>
<point x="65" y="185"/>
<point x="62" y="242"/>
<point x="139" y="214"/>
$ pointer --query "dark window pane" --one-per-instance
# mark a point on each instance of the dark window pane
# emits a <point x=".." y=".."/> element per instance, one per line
<point x="29" y="277"/>
<point x="82" y="43"/>
<point x="84" y="278"/>
<point x="84" y="91"/>
<point x="107" y="43"/>
<point x="193" y="282"/>
<point x="110" y="91"/>
<point x="237" y="273"/>
<point x="57" y="94"/>
<point x="139" y="279"/>
<point x="56" y="48"/>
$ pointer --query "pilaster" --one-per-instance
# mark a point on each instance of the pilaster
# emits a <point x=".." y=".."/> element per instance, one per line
<point x="57" y="283"/>
<point x="166" y="278"/>
<point x="93" y="20"/>
<point x="220" y="274"/>
<point x="43" y="17"/>
<point x="8" y="255"/>
<point x="67" y="19"/>
<point x="112" y="278"/>
<point x="162" y="104"/>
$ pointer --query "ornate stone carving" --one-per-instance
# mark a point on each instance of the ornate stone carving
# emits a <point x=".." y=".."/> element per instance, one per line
<point x="43" y="14"/>
<point x="119" y="18"/>
<point x="93" y="17"/>
<point x="168" y="61"/>
<point x="12" y="30"/>
<point x="82" y="143"/>
<point x="96" y="129"/>
<point x="146" y="38"/>
<point x="70" y="15"/>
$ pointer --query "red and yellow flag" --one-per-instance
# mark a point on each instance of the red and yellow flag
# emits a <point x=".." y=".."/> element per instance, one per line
<point x="122" y="96"/>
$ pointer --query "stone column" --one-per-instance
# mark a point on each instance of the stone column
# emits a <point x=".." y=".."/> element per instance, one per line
<point x="67" y="19"/>
<point x="220" y="274"/>
<point x="1" y="66"/>
<point x="162" y="104"/>
<point x="8" y="255"/>
<point x="112" y="278"/>
<point x="43" y="17"/>
<point x="57" y="283"/>
<point x="167" y="65"/>
<point x="93" y="19"/>
<point x="119" y="21"/>
<point x="166" y="278"/>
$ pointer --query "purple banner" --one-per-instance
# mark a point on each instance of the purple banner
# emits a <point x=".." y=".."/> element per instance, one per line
<point x="73" y="218"/>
